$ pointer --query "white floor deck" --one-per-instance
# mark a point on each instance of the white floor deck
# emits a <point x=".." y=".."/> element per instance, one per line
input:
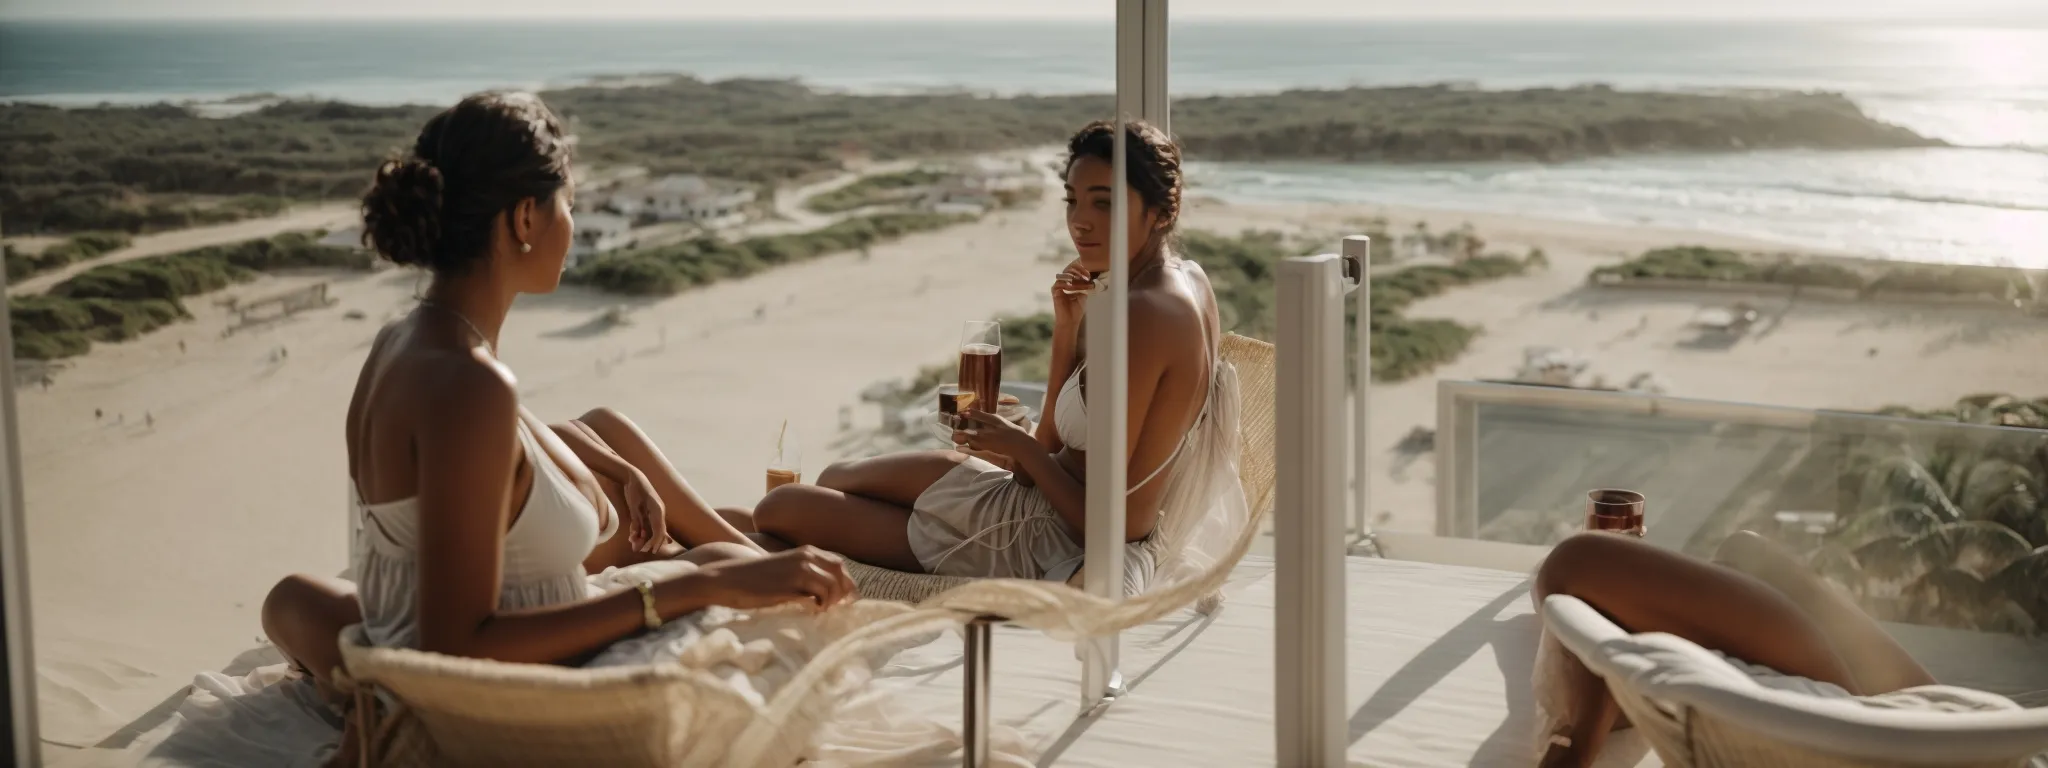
<point x="1439" y="660"/>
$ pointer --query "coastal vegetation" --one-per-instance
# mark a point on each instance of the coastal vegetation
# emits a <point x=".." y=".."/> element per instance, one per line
<point x="879" y="189"/>
<point x="138" y="169"/>
<point x="116" y="302"/>
<point x="670" y="269"/>
<point x="1241" y="270"/>
<point x="1935" y="524"/>
<point x="1717" y="265"/>
<point x="21" y="264"/>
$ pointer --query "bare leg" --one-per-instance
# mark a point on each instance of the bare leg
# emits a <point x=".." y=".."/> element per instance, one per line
<point x="1645" y="589"/>
<point x="1878" y="662"/>
<point x="740" y="518"/>
<point x="690" y="520"/>
<point x="898" y="478"/>
<point x="860" y="509"/>
<point x="304" y="616"/>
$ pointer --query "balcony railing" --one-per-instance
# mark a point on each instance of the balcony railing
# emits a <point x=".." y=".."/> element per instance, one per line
<point x="1927" y="522"/>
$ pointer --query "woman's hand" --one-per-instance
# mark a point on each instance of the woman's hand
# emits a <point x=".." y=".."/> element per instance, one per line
<point x="646" y="520"/>
<point x="1070" y="292"/>
<point x="803" y="573"/>
<point x="991" y="434"/>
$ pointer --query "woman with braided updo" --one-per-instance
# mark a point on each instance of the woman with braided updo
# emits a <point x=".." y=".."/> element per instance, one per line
<point x="478" y="522"/>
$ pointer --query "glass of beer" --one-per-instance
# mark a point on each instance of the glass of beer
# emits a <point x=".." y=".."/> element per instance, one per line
<point x="981" y="363"/>
<point x="785" y="466"/>
<point x="1613" y="509"/>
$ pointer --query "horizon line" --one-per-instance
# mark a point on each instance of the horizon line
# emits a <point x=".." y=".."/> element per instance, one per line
<point x="1994" y="17"/>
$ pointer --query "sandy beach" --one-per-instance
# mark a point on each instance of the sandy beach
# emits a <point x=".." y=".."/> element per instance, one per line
<point x="216" y="464"/>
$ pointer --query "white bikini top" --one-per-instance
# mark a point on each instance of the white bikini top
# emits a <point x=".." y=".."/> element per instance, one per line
<point x="556" y="529"/>
<point x="1070" y="419"/>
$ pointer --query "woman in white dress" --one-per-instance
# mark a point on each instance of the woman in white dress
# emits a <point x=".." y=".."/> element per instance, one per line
<point x="1011" y="503"/>
<point x="478" y="522"/>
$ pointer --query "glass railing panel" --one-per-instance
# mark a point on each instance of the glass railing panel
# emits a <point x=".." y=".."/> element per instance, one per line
<point x="1935" y="522"/>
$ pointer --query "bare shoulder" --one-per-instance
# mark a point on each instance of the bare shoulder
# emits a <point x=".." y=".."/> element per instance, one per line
<point x="459" y="388"/>
<point x="1169" y="323"/>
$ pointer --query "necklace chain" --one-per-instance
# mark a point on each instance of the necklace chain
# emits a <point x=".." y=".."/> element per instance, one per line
<point x="488" y="346"/>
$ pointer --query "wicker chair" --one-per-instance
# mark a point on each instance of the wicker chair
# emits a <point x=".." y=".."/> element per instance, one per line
<point x="1699" y="711"/>
<point x="1254" y="362"/>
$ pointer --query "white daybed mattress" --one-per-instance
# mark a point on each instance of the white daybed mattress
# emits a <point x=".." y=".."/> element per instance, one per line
<point x="1439" y="663"/>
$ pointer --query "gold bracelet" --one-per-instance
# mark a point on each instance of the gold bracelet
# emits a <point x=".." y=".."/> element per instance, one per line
<point x="647" y="612"/>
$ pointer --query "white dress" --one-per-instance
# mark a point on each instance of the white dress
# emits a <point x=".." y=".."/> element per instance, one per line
<point x="977" y="520"/>
<point x="544" y="551"/>
<point x="272" y="718"/>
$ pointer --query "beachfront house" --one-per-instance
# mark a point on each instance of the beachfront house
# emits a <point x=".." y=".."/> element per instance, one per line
<point x="998" y="174"/>
<point x="344" y="237"/>
<point x="684" y="197"/>
<point x="958" y="197"/>
<point x="598" y="233"/>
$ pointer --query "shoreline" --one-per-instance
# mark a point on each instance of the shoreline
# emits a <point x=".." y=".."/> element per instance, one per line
<point x="240" y="468"/>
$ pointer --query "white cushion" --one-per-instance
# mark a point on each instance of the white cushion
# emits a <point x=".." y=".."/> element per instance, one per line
<point x="1926" y="724"/>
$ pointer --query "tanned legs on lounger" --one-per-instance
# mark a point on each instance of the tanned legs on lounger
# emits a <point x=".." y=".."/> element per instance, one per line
<point x="1645" y="589"/>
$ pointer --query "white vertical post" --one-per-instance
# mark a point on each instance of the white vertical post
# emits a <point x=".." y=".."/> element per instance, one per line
<point x="1358" y="256"/>
<point x="22" y="726"/>
<point x="1308" y="533"/>
<point x="1141" y="94"/>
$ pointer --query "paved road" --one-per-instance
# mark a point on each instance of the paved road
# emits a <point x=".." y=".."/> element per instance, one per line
<point x="322" y="215"/>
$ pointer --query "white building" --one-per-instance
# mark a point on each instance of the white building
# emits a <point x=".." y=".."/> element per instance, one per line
<point x="598" y="233"/>
<point x="958" y="197"/>
<point x="345" y="237"/>
<point x="684" y="198"/>
<point x="998" y="174"/>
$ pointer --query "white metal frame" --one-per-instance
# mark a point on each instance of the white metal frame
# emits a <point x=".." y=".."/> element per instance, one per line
<point x="1310" y="727"/>
<point x="1140" y="93"/>
<point x="22" y="724"/>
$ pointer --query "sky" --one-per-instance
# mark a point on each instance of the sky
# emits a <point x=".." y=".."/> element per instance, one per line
<point x="968" y="9"/>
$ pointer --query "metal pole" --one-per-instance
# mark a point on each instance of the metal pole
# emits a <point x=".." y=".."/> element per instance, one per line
<point x="974" y="730"/>
<point x="23" y="730"/>
<point x="1358" y="257"/>
<point x="1308" y="553"/>
<point x="1140" y="27"/>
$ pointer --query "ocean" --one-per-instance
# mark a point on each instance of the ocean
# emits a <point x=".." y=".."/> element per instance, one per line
<point x="1982" y="88"/>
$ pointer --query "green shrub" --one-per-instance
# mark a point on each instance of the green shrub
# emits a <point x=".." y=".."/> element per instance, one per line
<point x="1722" y="265"/>
<point x="1815" y="274"/>
<point x="117" y="302"/>
<point x="878" y="189"/>
<point x="78" y="248"/>
<point x="670" y="269"/>
<point x="1941" y="280"/>
<point x="1688" y="262"/>
<point x="1241" y="270"/>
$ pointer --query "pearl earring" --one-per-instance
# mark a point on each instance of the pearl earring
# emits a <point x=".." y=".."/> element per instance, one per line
<point x="525" y="248"/>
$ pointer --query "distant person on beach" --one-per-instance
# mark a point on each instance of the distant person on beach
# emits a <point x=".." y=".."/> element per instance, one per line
<point x="478" y="521"/>
<point x="1010" y="503"/>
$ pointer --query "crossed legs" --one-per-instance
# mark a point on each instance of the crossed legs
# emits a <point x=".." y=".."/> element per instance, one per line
<point x="860" y="509"/>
